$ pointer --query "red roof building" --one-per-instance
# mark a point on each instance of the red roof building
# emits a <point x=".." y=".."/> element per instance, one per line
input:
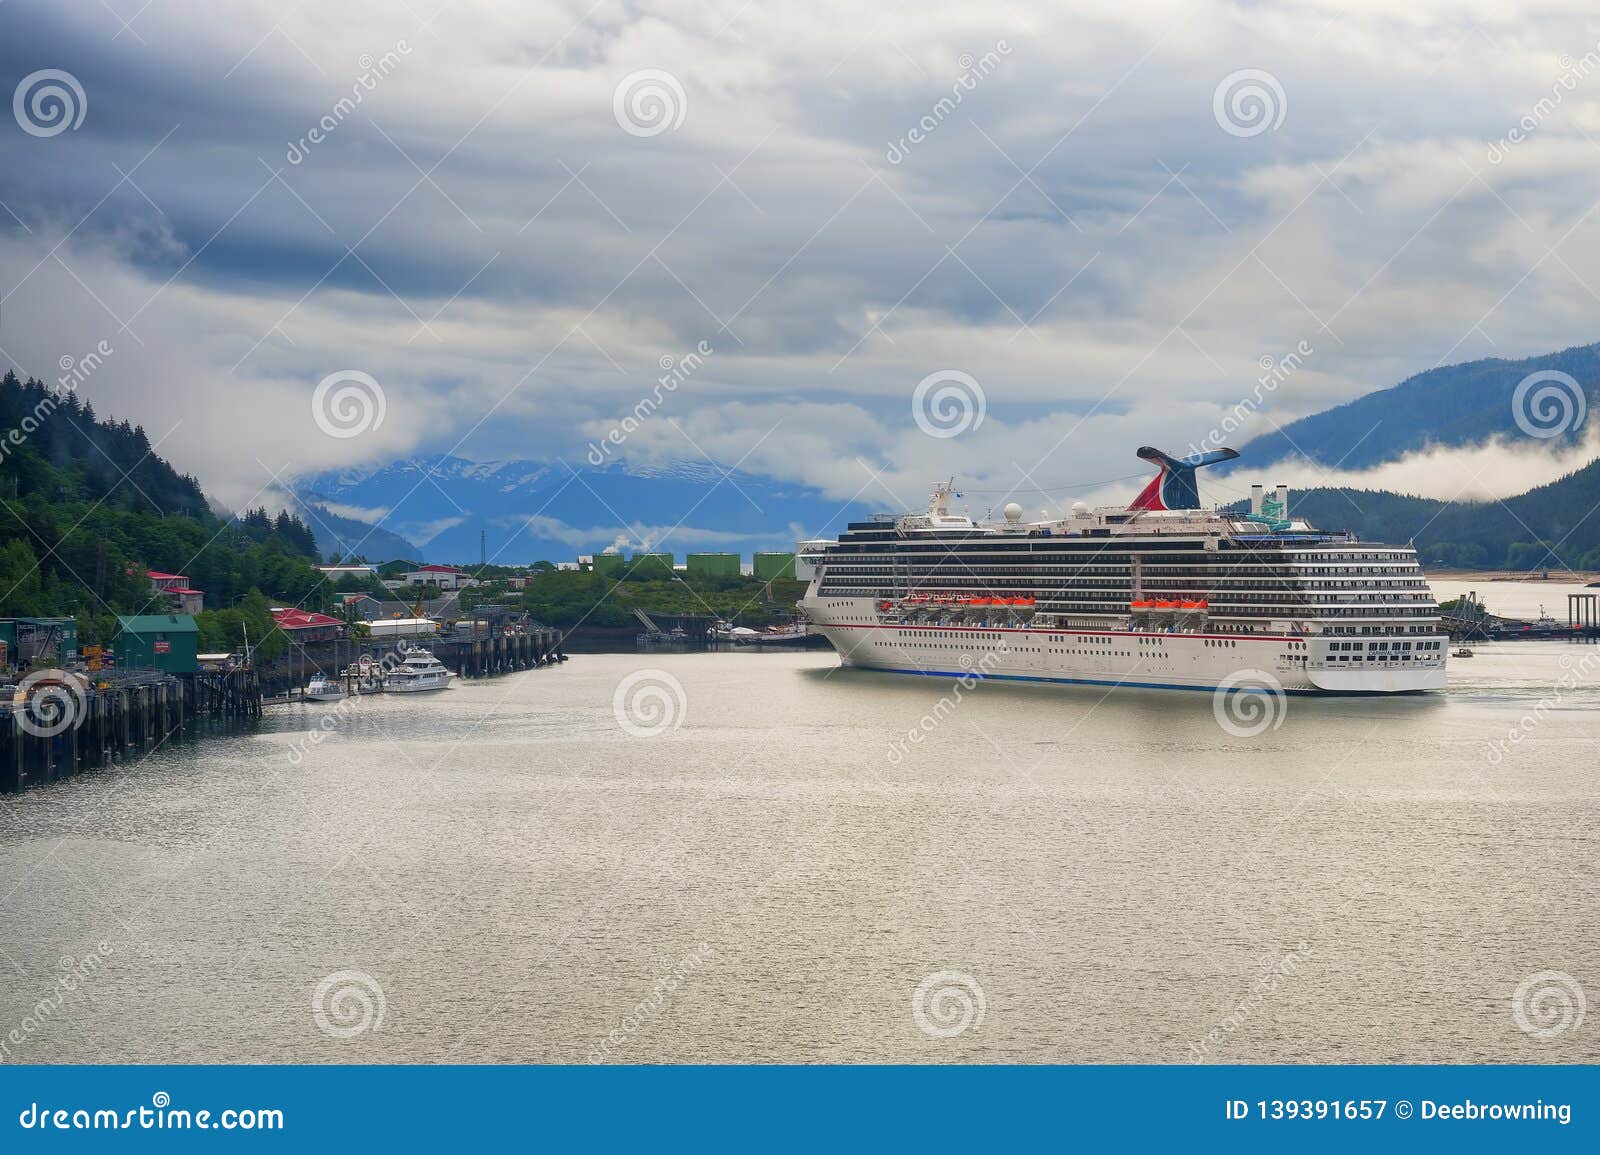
<point x="306" y="626"/>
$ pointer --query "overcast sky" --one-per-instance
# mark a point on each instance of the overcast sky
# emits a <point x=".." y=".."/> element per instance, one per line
<point x="1113" y="214"/>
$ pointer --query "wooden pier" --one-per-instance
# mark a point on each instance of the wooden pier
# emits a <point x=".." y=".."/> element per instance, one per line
<point x="475" y="654"/>
<point x="117" y="718"/>
<point x="486" y="653"/>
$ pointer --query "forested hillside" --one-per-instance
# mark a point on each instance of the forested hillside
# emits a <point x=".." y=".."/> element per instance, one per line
<point x="1464" y="404"/>
<point x="86" y="509"/>
<point x="1554" y="526"/>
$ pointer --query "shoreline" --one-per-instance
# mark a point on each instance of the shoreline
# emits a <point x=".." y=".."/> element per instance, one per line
<point x="1554" y="577"/>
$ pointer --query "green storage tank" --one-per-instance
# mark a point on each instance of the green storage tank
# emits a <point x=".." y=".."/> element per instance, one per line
<point x="713" y="565"/>
<point x="774" y="565"/>
<point x="169" y="642"/>
<point x="654" y="564"/>
<point x="612" y="563"/>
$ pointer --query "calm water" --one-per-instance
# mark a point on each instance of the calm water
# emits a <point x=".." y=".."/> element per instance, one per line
<point x="516" y="877"/>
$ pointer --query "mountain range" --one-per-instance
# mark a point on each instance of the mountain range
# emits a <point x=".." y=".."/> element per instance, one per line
<point x="515" y="512"/>
<point x="1451" y="406"/>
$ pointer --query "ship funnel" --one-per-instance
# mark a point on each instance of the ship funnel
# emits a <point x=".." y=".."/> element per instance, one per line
<point x="1255" y="500"/>
<point x="1174" y="487"/>
<point x="1283" y="502"/>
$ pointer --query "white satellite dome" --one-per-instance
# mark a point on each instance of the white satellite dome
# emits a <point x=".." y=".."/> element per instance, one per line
<point x="1013" y="511"/>
<point x="1079" y="507"/>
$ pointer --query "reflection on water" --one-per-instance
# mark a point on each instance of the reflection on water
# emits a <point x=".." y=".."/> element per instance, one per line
<point x="507" y="871"/>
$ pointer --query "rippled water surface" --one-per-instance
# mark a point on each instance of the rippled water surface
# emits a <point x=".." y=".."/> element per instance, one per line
<point x="504" y="872"/>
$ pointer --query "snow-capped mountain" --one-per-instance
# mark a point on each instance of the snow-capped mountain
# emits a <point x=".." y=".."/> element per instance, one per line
<point x="527" y="511"/>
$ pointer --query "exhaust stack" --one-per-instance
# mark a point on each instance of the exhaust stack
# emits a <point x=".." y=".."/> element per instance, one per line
<point x="1255" y="500"/>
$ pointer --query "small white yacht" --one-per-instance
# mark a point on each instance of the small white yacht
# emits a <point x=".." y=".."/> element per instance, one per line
<point x="419" y="672"/>
<point x="324" y="689"/>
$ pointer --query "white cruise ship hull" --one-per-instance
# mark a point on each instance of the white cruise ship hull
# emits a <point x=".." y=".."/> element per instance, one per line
<point x="1174" y="661"/>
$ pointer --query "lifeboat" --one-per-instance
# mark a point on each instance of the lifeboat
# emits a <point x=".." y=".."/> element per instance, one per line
<point x="981" y="601"/>
<point x="1141" y="604"/>
<point x="885" y="606"/>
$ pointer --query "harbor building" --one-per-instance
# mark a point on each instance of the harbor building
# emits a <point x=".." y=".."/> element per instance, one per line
<point x="185" y="598"/>
<point x="166" y="642"/>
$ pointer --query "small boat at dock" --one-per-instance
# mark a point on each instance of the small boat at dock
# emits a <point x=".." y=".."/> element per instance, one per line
<point x="324" y="689"/>
<point x="420" y="672"/>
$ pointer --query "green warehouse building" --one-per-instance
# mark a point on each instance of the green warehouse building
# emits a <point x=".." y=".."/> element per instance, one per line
<point x="169" y="642"/>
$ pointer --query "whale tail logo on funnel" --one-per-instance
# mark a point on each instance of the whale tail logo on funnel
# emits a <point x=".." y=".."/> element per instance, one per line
<point x="1174" y="487"/>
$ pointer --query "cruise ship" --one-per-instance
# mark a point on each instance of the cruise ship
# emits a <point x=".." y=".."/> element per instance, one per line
<point x="1162" y="594"/>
